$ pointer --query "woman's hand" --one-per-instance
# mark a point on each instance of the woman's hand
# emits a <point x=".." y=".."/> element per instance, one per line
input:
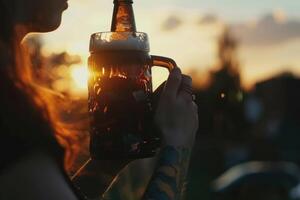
<point x="176" y="115"/>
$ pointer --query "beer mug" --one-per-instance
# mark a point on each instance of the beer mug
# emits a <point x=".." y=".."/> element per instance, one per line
<point x="120" y="89"/>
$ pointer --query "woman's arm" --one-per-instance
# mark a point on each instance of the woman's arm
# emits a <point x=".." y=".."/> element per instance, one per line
<point x="168" y="180"/>
<point x="96" y="177"/>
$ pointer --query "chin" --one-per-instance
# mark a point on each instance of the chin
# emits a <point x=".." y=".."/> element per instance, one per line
<point x="51" y="27"/>
<point x="47" y="25"/>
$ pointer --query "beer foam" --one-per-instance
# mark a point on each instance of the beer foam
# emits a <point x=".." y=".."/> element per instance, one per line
<point x="138" y="42"/>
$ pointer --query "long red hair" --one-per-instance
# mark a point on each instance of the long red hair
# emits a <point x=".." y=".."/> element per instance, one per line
<point x="30" y="105"/>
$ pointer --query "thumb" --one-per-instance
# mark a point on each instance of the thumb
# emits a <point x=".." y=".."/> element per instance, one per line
<point x="173" y="82"/>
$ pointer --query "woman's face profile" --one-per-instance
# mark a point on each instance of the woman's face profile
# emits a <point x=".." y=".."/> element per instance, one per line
<point x="38" y="15"/>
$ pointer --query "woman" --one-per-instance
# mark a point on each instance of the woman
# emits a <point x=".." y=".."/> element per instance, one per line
<point x="33" y="147"/>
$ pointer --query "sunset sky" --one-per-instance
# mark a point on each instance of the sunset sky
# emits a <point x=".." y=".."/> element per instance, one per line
<point x="187" y="31"/>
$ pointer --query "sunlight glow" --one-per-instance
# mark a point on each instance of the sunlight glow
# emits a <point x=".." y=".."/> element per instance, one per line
<point x="79" y="75"/>
<point x="279" y="16"/>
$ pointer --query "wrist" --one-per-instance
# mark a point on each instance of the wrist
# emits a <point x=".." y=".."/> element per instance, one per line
<point x="171" y="170"/>
<point x="176" y="139"/>
<point x="173" y="155"/>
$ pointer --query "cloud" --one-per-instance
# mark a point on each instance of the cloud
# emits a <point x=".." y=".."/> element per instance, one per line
<point x="269" y="30"/>
<point x="208" y="19"/>
<point x="171" y="23"/>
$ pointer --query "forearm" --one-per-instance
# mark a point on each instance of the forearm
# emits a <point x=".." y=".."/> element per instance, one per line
<point x="96" y="177"/>
<point x="169" y="178"/>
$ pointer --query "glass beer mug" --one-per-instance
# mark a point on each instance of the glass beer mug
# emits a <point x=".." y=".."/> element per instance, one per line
<point x="120" y="88"/>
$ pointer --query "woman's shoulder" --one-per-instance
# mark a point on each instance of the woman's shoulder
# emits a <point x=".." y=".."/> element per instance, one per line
<point x="36" y="176"/>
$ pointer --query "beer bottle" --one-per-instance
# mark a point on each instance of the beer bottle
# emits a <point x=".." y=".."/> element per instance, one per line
<point x="123" y="17"/>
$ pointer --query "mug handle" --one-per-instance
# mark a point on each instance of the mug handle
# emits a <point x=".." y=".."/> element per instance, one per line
<point x="165" y="62"/>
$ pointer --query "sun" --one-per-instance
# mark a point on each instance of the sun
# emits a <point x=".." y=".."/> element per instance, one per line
<point x="79" y="75"/>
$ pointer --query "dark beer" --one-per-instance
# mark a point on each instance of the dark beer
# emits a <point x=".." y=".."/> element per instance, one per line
<point x="120" y="89"/>
<point x="120" y="106"/>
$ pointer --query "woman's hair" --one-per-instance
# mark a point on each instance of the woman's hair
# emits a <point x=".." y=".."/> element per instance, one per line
<point x="5" y="21"/>
<point x="26" y="106"/>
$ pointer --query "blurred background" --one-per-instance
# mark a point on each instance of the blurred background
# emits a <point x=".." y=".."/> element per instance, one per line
<point x="244" y="60"/>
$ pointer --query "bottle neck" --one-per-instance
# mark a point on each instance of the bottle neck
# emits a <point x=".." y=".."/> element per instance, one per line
<point x="123" y="17"/>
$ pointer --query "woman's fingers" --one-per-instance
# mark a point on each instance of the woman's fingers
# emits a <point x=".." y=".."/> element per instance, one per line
<point x="173" y="83"/>
<point x="179" y="85"/>
<point x="157" y="94"/>
<point x="186" y="80"/>
<point x="177" y="113"/>
<point x="186" y="90"/>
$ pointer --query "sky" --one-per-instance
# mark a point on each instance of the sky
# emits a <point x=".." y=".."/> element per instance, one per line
<point x="236" y="10"/>
<point x="187" y="31"/>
